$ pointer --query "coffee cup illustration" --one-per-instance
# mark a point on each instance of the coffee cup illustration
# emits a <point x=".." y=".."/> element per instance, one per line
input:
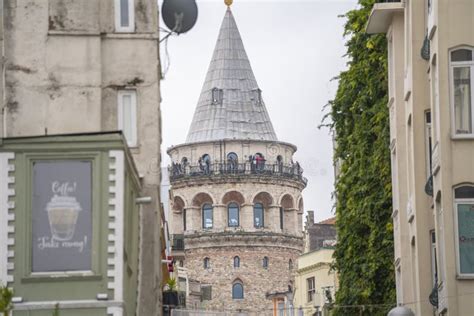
<point x="63" y="212"/>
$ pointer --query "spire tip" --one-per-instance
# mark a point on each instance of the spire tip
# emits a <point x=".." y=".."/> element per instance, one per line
<point x="228" y="3"/>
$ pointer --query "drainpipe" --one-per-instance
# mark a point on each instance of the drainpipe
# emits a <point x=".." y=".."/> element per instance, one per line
<point x="3" y="113"/>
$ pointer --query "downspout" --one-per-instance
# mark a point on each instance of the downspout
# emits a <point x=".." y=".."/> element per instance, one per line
<point x="4" y="110"/>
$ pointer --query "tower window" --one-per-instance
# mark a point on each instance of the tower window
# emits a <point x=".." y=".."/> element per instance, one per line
<point x="236" y="262"/>
<point x="237" y="291"/>
<point x="232" y="157"/>
<point x="184" y="220"/>
<point x="207" y="263"/>
<point x="258" y="215"/>
<point x="290" y="264"/>
<point x="217" y="96"/>
<point x="265" y="262"/>
<point x="233" y="214"/>
<point x="207" y="217"/>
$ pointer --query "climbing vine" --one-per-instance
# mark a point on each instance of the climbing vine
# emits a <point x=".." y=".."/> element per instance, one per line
<point x="360" y="122"/>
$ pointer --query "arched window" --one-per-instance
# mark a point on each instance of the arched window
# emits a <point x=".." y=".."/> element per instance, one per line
<point x="237" y="291"/>
<point x="258" y="215"/>
<point x="258" y="163"/>
<point x="232" y="157"/>
<point x="282" y="214"/>
<point x="236" y="262"/>
<point x="206" y="263"/>
<point x="205" y="163"/>
<point x="265" y="262"/>
<point x="207" y="217"/>
<point x="464" y="203"/>
<point x="258" y="96"/>
<point x="232" y="161"/>
<point x="290" y="264"/>
<point x="233" y="214"/>
<point x="462" y="90"/>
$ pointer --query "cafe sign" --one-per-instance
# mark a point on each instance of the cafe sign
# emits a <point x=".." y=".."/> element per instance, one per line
<point x="61" y="216"/>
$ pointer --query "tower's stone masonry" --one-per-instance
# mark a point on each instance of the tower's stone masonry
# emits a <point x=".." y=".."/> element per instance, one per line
<point x="256" y="279"/>
<point x="236" y="191"/>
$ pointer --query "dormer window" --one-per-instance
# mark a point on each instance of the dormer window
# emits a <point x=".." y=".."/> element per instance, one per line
<point x="257" y="96"/>
<point x="217" y="96"/>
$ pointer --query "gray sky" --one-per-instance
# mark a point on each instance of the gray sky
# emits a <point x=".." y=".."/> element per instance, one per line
<point x="295" y="48"/>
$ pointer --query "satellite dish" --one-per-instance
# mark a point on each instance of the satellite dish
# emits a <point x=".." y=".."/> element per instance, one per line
<point x="179" y="15"/>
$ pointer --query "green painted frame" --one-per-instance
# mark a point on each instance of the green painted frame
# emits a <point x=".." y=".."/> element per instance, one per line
<point x="23" y="254"/>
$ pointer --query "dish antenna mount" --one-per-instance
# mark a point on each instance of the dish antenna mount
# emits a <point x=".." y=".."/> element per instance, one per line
<point x="179" y="15"/>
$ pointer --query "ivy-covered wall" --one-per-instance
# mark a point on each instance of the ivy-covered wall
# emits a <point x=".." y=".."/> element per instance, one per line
<point x="360" y="121"/>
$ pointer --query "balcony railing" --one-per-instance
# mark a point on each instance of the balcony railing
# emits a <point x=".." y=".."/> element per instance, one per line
<point x="292" y="171"/>
<point x="178" y="242"/>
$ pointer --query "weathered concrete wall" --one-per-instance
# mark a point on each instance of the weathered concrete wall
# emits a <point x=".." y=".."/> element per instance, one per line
<point x="64" y="65"/>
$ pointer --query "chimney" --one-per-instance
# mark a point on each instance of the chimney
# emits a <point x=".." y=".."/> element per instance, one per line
<point x="310" y="218"/>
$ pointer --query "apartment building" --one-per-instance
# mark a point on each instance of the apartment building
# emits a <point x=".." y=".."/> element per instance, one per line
<point x="431" y="104"/>
<point x="82" y="68"/>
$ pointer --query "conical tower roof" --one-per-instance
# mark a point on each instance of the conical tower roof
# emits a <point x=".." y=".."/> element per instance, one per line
<point x="231" y="104"/>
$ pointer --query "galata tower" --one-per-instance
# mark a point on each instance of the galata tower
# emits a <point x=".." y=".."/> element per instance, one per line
<point x="236" y="204"/>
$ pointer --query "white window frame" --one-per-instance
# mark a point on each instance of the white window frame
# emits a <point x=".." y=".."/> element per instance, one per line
<point x="133" y="141"/>
<point x="310" y="292"/>
<point x="131" y="17"/>
<point x="456" y="231"/>
<point x="452" y="65"/>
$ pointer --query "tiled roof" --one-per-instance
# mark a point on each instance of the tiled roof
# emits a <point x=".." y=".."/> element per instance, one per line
<point x="230" y="105"/>
<point x="329" y="221"/>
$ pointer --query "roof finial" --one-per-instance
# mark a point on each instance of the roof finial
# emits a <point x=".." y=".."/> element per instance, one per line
<point x="228" y="2"/>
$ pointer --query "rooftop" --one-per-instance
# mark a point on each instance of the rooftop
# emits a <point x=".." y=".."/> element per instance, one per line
<point x="329" y="221"/>
<point x="230" y="105"/>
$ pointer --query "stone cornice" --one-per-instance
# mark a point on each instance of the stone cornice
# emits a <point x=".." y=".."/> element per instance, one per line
<point x="223" y="141"/>
<point x="242" y="239"/>
<point x="316" y="266"/>
<point x="224" y="179"/>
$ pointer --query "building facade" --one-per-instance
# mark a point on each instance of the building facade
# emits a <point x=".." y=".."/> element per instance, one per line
<point x="70" y="228"/>
<point x="430" y="62"/>
<point x="74" y="66"/>
<point x="319" y="235"/>
<point x="316" y="283"/>
<point x="236" y="204"/>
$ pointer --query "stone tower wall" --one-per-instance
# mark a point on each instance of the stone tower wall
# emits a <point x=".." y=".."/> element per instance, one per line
<point x="256" y="280"/>
<point x="277" y="189"/>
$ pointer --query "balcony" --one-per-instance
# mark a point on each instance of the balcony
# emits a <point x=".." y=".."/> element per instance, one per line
<point x="178" y="242"/>
<point x="262" y="169"/>
<point x="381" y="16"/>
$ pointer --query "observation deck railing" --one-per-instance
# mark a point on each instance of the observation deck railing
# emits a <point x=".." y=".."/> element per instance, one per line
<point x="288" y="171"/>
